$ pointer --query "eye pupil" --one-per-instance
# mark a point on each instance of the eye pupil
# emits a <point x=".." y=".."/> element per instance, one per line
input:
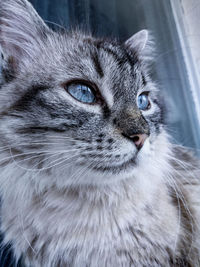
<point x="81" y="92"/>
<point x="143" y="102"/>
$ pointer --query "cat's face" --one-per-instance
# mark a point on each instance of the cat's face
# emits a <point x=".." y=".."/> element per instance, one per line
<point x="71" y="105"/>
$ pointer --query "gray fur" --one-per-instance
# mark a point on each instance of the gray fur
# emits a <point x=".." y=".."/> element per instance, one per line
<point x="75" y="190"/>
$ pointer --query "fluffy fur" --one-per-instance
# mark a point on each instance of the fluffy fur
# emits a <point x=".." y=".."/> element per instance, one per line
<point x="75" y="190"/>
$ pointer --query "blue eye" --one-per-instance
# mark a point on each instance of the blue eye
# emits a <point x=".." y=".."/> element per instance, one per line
<point x="143" y="102"/>
<point x="81" y="92"/>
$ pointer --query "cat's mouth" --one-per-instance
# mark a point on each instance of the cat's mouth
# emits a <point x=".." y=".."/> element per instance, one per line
<point x="126" y="163"/>
<point x="117" y="168"/>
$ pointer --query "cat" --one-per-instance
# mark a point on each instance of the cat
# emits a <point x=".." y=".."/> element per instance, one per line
<point x="88" y="175"/>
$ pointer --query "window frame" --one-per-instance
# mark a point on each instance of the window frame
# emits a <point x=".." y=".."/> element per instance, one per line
<point x="191" y="67"/>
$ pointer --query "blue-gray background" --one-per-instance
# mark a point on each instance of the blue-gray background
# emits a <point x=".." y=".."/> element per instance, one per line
<point x="122" y="18"/>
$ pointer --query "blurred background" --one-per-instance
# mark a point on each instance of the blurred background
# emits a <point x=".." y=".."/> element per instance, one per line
<point x="175" y="27"/>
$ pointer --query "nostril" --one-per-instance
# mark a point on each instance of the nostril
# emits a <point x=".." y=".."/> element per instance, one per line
<point x="136" y="138"/>
<point x="139" y="140"/>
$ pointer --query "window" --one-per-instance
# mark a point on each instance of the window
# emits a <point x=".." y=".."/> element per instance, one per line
<point x="187" y="21"/>
<point x="177" y="62"/>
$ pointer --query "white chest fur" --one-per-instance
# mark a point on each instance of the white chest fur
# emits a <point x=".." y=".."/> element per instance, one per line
<point x="109" y="226"/>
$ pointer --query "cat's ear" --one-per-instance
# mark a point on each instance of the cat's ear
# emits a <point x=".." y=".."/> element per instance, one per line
<point x="21" y="30"/>
<point x="141" y="43"/>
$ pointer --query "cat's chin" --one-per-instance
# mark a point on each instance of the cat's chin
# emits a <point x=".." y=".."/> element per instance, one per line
<point x="143" y="162"/>
<point x="152" y="156"/>
<point x="128" y="169"/>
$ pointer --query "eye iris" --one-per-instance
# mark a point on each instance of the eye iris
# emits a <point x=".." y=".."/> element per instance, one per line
<point x="81" y="92"/>
<point x="143" y="102"/>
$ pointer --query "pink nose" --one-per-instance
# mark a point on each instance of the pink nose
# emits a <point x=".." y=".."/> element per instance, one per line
<point x="139" y="139"/>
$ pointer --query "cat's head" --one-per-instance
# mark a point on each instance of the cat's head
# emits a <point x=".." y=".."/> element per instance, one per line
<point x="82" y="109"/>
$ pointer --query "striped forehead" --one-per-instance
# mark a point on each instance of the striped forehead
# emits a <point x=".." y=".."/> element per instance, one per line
<point x="114" y="69"/>
<point x="117" y="72"/>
